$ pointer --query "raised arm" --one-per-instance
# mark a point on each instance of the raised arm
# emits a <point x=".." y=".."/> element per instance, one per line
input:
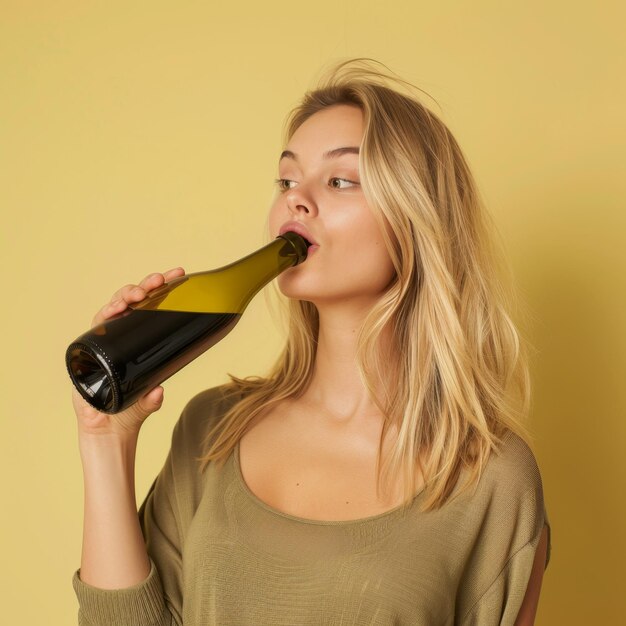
<point x="114" y="555"/>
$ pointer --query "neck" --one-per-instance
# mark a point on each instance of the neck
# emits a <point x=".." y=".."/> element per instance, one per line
<point x="336" y="385"/>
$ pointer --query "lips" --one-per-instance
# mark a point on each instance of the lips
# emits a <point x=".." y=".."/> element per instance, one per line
<point x="300" y="229"/>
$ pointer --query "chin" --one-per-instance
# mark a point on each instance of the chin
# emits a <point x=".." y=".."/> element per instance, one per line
<point x="295" y="290"/>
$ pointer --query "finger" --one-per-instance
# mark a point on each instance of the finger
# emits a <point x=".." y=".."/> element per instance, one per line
<point x="123" y="292"/>
<point x="151" y="402"/>
<point x="174" y="273"/>
<point x="109" y="310"/>
<point x="152" y="281"/>
<point x="119" y="302"/>
<point x="134" y="293"/>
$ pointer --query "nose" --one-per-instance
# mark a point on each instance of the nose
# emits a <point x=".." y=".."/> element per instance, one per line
<point x="300" y="202"/>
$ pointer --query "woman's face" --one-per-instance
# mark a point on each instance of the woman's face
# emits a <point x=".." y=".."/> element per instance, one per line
<point x="319" y="190"/>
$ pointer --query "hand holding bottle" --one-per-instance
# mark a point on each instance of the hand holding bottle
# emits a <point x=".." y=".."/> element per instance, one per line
<point x="117" y="362"/>
<point x="114" y="554"/>
<point x="128" y="422"/>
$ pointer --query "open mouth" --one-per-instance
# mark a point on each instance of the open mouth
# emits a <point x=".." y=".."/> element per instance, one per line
<point x="300" y="232"/>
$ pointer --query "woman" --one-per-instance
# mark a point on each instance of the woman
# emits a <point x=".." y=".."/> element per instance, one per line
<point x="379" y="474"/>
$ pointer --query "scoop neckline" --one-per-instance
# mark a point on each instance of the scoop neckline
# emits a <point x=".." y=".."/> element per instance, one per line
<point x="305" y="520"/>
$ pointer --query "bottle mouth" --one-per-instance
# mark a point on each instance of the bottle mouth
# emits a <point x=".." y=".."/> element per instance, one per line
<point x="299" y="243"/>
<point x="92" y="377"/>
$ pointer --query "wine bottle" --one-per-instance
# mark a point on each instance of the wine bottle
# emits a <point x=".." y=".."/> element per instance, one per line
<point x="116" y="362"/>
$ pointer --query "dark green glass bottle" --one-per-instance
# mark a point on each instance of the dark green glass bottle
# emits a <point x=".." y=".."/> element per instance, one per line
<point x="115" y="363"/>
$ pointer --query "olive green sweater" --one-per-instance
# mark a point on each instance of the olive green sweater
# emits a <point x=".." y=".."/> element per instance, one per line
<point x="220" y="556"/>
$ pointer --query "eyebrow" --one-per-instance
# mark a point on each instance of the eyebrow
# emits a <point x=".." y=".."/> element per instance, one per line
<point x="331" y="154"/>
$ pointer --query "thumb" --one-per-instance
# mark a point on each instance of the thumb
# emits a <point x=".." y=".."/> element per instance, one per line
<point x="151" y="402"/>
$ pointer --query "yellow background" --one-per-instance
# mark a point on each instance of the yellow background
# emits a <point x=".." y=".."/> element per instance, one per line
<point x="138" y="136"/>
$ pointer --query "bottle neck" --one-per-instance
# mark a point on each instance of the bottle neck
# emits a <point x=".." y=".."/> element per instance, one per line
<point x="257" y="269"/>
<point x="271" y="259"/>
<point x="228" y="289"/>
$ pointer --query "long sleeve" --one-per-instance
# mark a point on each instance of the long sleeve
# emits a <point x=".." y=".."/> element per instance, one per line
<point x="138" y="605"/>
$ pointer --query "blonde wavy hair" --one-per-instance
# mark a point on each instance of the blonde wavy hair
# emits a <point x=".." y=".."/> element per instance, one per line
<point x="458" y="364"/>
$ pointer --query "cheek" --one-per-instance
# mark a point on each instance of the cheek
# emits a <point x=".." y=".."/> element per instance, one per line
<point x="365" y="234"/>
<point x="377" y="255"/>
<point x="375" y="264"/>
<point x="365" y="255"/>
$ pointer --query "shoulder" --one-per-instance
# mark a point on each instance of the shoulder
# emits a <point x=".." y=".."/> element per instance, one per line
<point x="514" y="462"/>
<point x="212" y="401"/>
<point x="514" y="466"/>
<point x="202" y="412"/>
<point x="506" y="506"/>
<point x="510" y="493"/>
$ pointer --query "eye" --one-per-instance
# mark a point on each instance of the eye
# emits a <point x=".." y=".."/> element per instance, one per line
<point x="341" y="183"/>
<point x="284" y="184"/>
